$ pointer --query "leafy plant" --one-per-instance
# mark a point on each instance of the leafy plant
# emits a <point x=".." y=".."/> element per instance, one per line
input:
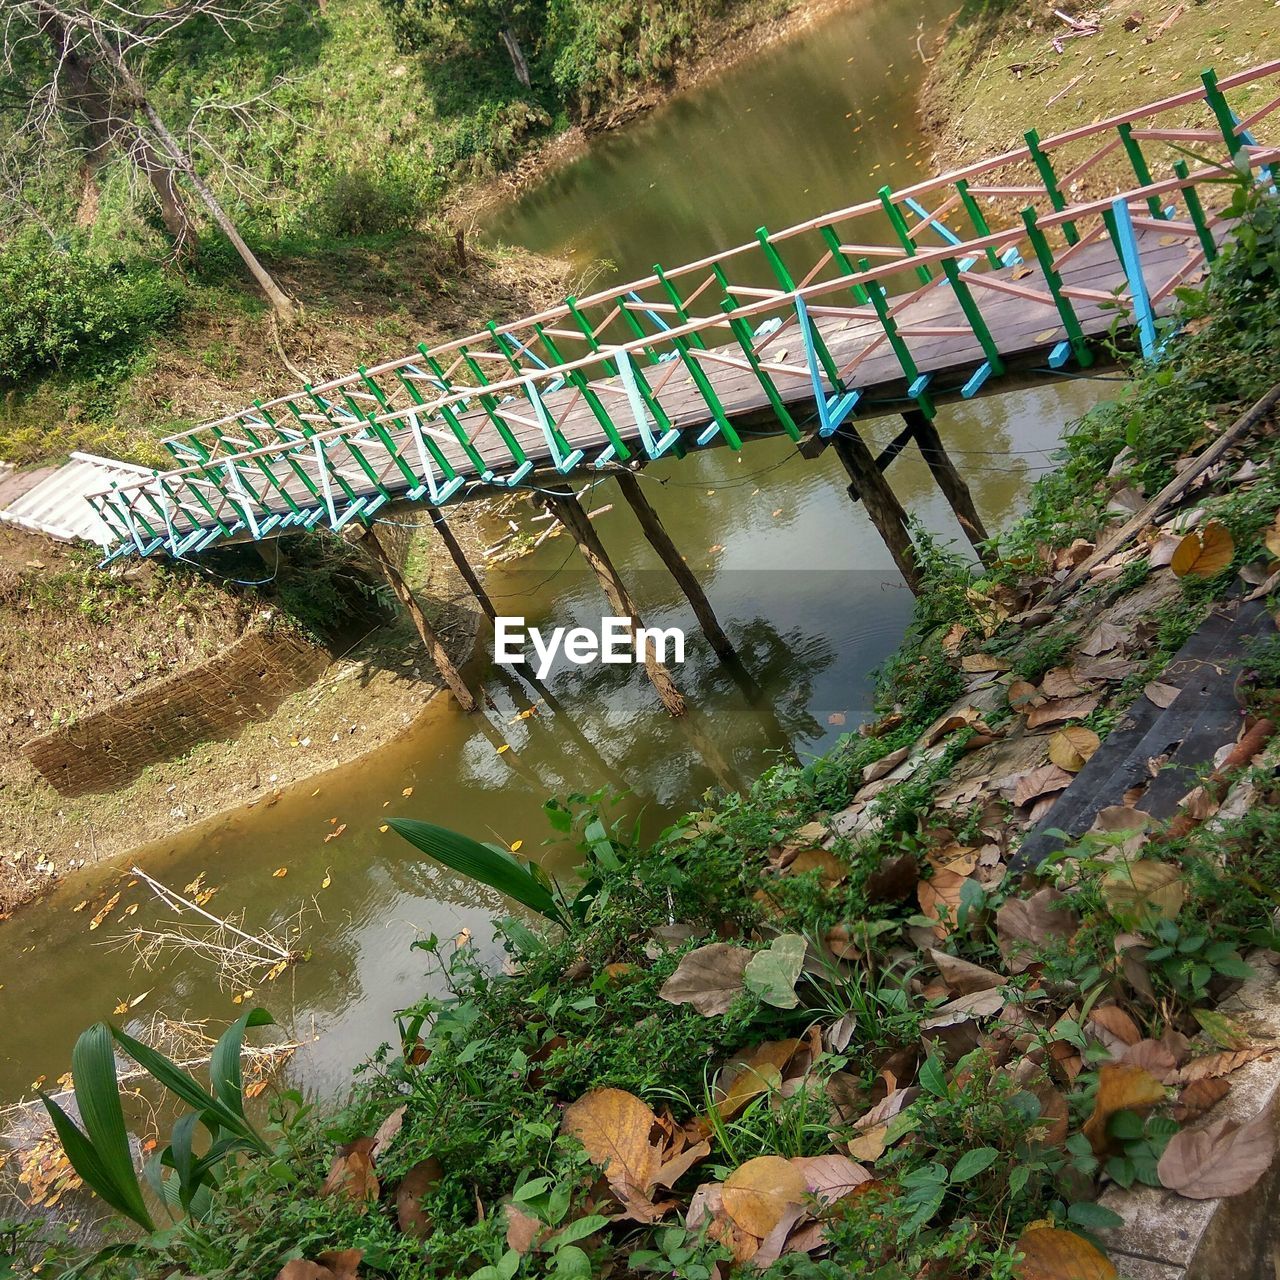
<point x="101" y="1152"/>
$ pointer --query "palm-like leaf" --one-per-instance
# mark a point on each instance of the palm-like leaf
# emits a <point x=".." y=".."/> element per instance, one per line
<point x="494" y="867"/>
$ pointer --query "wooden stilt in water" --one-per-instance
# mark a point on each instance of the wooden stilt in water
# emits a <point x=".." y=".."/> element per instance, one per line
<point x="431" y="642"/>
<point x="570" y="514"/>
<point x="660" y="541"/>
<point x="881" y="502"/>
<point x="949" y="480"/>
<point x="463" y="565"/>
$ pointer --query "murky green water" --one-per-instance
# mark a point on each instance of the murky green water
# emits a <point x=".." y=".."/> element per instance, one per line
<point x="792" y="567"/>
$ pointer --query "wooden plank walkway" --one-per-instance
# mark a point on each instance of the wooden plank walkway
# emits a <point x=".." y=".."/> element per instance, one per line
<point x="694" y="357"/>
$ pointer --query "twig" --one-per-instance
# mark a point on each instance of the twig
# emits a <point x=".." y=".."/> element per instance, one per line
<point x="1065" y="89"/>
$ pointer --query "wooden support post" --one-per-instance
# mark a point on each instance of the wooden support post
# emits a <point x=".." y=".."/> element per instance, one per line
<point x="570" y="514"/>
<point x="949" y="480"/>
<point x="660" y="541"/>
<point x="462" y="564"/>
<point x="882" y="504"/>
<point x="431" y="642"/>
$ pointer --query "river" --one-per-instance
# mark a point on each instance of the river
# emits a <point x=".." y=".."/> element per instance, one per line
<point x="794" y="570"/>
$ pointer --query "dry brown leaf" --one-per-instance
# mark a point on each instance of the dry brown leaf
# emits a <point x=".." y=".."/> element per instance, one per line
<point x="831" y="871"/>
<point x="709" y="978"/>
<point x="750" y="1076"/>
<point x="756" y="1194"/>
<point x="107" y="909"/>
<point x="1025" y="924"/>
<point x="522" y="1229"/>
<point x="939" y="899"/>
<point x="952" y="640"/>
<point x="1204" y="553"/>
<point x="1114" y="1020"/>
<point x="351" y="1174"/>
<point x="1022" y="694"/>
<point x="831" y="1177"/>
<point x="1049" y="1253"/>
<point x="1121" y="1087"/>
<point x="1198" y="1097"/>
<point x="1223" y="1159"/>
<point x="1143" y="890"/>
<point x="675" y="1168"/>
<point x="387" y="1131"/>
<point x="616" y="1130"/>
<point x="963" y="976"/>
<point x="878" y="769"/>
<point x="1162" y="695"/>
<point x="1222" y="1064"/>
<point x="869" y="1145"/>
<point x="892" y="880"/>
<point x="1154" y="1057"/>
<point x="1105" y="637"/>
<point x="1073" y="747"/>
<point x="1062" y="682"/>
<point x="412" y="1218"/>
<point x="978" y="663"/>
<point x="1061" y="709"/>
<point x="1040" y="782"/>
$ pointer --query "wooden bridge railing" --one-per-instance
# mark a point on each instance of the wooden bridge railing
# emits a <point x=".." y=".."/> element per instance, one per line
<point x="633" y="368"/>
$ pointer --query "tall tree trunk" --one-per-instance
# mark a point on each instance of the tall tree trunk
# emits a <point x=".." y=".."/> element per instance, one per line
<point x="105" y="129"/>
<point x="280" y="302"/>
<point x="518" y="60"/>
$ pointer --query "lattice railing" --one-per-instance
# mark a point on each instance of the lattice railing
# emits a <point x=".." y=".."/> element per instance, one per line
<point x="651" y="366"/>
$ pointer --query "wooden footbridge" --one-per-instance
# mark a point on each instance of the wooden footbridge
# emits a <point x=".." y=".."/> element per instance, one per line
<point x="1011" y="268"/>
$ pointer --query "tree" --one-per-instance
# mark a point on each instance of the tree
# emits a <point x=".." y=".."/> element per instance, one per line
<point x="75" y="68"/>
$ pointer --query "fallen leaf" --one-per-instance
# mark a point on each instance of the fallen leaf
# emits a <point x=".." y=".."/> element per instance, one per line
<point x="107" y="908"/>
<point x="756" y="1194"/>
<point x="963" y="976"/>
<point x="1050" y="1253"/>
<point x="1073" y="747"/>
<point x="709" y="978"/>
<point x="1154" y="1057"/>
<point x="1022" y="694"/>
<point x="1222" y="1064"/>
<point x="893" y="880"/>
<point x="616" y="1130"/>
<point x="80" y="906"/>
<point x="831" y="1177"/>
<point x="1198" y="1097"/>
<point x="351" y="1174"/>
<point x="522" y="1229"/>
<point x="1024" y="925"/>
<point x="977" y="663"/>
<point x="1112" y="1019"/>
<point x="1204" y="553"/>
<point x="387" y="1131"/>
<point x="836" y="718"/>
<point x="831" y="871"/>
<point x="1143" y="890"/>
<point x="756" y="1073"/>
<point x="328" y="879"/>
<point x="280" y="872"/>
<point x="407" y="792"/>
<point x="939" y="899"/>
<point x="1103" y="638"/>
<point x="1121" y="1087"/>
<point x="413" y="1220"/>
<point x="1161" y="694"/>
<point x="878" y="769"/>
<point x="1223" y="1031"/>
<point x="1062" y="682"/>
<point x="1061" y="709"/>
<point x="1040" y="782"/>
<point x="1223" y="1159"/>
<point x="772" y="973"/>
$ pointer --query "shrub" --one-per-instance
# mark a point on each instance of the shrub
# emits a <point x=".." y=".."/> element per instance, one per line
<point x="62" y="307"/>
<point x="357" y="203"/>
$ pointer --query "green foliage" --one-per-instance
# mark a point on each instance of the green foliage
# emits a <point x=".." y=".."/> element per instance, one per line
<point x="63" y="308"/>
<point x="101" y="1152"/>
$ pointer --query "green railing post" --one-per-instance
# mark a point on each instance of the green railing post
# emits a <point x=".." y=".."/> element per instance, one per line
<point x="779" y="269"/>
<point x="833" y="243"/>
<point x="1222" y="112"/>
<point x="972" y="313"/>
<point x="742" y="331"/>
<point x="880" y="301"/>
<point x="310" y="432"/>
<point x="978" y="218"/>
<point x="287" y="451"/>
<point x="695" y="339"/>
<point x="1044" y="166"/>
<point x="1196" y="210"/>
<point x="490" y="405"/>
<point x="902" y="231"/>
<point x="531" y="393"/>
<point x="1139" y="164"/>
<point x="412" y="478"/>
<point x="723" y="281"/>
<point x="594" y="403"/>
<point x="452" y="421"/>
<point x="581" y="321"/>
<point x="1067" y="313"/>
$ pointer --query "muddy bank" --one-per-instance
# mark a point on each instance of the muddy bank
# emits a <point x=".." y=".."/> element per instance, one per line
<point x="373" y="690"/>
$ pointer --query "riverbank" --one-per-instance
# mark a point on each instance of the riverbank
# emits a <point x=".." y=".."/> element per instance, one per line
<point x="836" y="1026"/>
<point x="375" y="688"/>
<point x="733" y="37"/>
<point x="998" y="70"/>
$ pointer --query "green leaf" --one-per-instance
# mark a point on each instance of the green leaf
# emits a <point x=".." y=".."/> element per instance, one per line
<point x="973" y="1163"/>
<point x="224" y="1064"/>
<point x="933" y="1078"/>
<point x="1093" y="1217"/>
<point x="493" y="867"/>
<point x="773" y="972"/>
<point x="578" y="1230"/>
<point x="1125" y="1125"/>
